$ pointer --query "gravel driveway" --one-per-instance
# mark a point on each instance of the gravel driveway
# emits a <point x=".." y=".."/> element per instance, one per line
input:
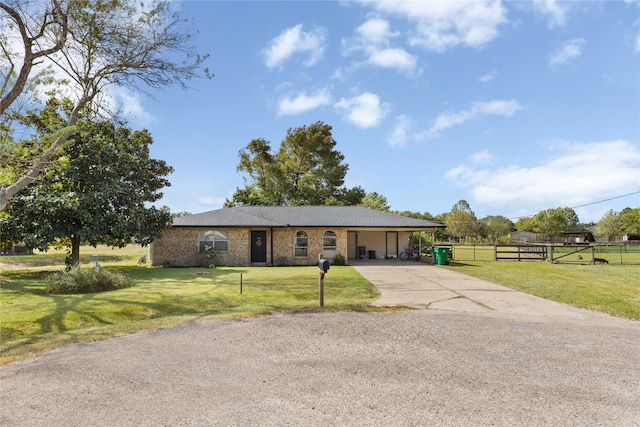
<point x="424" y="367"/>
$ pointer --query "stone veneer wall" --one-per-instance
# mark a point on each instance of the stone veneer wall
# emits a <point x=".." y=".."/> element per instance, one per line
<point x="178" y="246"/>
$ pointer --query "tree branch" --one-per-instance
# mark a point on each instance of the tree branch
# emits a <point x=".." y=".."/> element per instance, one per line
<point x="58" y="17"/>
<point x="60" y="138"/>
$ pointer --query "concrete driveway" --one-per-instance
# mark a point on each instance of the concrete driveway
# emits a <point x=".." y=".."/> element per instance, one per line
<point x="425" y="286"/>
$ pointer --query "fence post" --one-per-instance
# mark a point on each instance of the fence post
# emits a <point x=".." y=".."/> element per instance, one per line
<point x="621" y="254"/>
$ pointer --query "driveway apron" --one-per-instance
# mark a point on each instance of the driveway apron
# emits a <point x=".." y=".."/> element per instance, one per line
<point x="426" y="286"/>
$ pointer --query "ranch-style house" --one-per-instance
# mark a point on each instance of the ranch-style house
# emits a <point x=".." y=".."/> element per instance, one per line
<point x="284" y="235"/>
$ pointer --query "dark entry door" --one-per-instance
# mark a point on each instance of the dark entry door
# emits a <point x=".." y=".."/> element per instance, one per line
<point x="258" y="246"/>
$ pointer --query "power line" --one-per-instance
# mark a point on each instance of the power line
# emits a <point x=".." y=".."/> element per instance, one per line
<point x="586" y="204"/>
<point x="606" y="200"/>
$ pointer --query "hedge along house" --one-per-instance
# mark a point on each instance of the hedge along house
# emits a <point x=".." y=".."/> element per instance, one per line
<point x="284" y="235"/>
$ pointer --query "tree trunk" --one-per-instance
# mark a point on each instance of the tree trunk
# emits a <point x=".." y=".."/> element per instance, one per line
<point x="75" y="250"/>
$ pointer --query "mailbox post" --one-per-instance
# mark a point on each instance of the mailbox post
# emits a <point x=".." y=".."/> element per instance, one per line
<point x="94" y="258"/>
<point x="323" y="267"/>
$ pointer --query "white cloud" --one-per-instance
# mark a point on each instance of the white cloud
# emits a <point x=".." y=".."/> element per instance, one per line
<point x="373" y="39"/>
<point x="303" y="102"/>
<point x="293" y="40"/>
<point x="400" y="132"/>
<point x="553" y="10"/>
<point x="488" y="77"/>
<point x="570" y="50"/>
<point x="478" y="109"/>
<point x="364" y="111"/>
<point x="481" y="157"/>
<point x="580" y="173"/>
<point x="128" y="104"/>
<point x="637" y="43"/>
<point x="393" y="58"/>
<point x="376" y="31"/>
<point x="441" y="25"/>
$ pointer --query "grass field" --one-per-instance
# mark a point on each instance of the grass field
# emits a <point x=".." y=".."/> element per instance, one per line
<point x="612" y="289"/>
<point x="32" y="321"/>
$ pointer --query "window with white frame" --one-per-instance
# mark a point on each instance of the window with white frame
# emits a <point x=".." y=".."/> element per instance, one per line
<point x="216" y="240"/>
<point x="329" y="243"/>
<point x="301" y="244"/>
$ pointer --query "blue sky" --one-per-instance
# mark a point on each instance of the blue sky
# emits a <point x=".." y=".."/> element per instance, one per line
<point x="514" y="106"/>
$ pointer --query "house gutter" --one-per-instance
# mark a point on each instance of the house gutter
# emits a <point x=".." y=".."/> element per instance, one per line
<point x="271" y="246"/>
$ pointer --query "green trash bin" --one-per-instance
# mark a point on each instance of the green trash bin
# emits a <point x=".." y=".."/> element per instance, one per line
<point x="441" y="256"/>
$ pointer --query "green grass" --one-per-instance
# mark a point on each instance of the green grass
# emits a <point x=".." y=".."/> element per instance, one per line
<point x="612" y="289"/>
<point x="55" y="257"/>
<point x="32" y="321"/>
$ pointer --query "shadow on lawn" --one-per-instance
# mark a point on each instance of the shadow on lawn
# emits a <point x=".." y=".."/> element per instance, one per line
<point x="73" y="313"/>
<point x="194" y="293"/>
<point x="460" y="264"/>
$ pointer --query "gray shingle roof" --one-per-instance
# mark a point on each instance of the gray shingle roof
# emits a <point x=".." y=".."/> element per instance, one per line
<point x="301" y="216"/>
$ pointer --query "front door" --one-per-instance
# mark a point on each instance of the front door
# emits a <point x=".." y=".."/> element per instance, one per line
<point x="258" y="246"/>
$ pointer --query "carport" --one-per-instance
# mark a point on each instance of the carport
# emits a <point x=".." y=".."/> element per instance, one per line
<point x="387" y="243"/>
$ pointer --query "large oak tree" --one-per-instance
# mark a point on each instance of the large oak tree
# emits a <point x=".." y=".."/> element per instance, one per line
<point x="306" y="170"/>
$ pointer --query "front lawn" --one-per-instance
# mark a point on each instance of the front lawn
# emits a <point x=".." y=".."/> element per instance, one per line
<point x="32" y="321"/>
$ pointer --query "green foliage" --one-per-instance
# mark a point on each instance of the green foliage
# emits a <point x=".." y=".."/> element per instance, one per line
<point x="96" y="192"/>
<point x="347" y="197"/>
<point x="375" y="201"/>
<point x="610" y="224"/>
<point x="495" y="227"/>
<point x="552" y="222"/>
<point x="525" y="223"/>
<point x="85" y="280"/>
<point x="630" y="220"/>
<point x="208" y="256"/>
<point x="461" y="221"/>
<point x="306" y="170"/>
<point x="339" y="259"/>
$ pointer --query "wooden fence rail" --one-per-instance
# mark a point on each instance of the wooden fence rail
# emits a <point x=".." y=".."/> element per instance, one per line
<point x="520" y="252"/>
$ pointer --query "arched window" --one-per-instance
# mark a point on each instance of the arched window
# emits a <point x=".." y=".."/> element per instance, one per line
<point x="329" y="243"/>
<point x="301" y="244"/>
<point x="214" y="240"/>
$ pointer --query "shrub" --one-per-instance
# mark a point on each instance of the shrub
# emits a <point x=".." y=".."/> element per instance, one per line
<point x="85" y="280"/>
<point x="339" y="259"/>
<point x="207" y="257"/>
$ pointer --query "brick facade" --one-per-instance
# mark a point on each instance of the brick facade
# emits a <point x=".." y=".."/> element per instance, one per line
<point x="178" y="246"/>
